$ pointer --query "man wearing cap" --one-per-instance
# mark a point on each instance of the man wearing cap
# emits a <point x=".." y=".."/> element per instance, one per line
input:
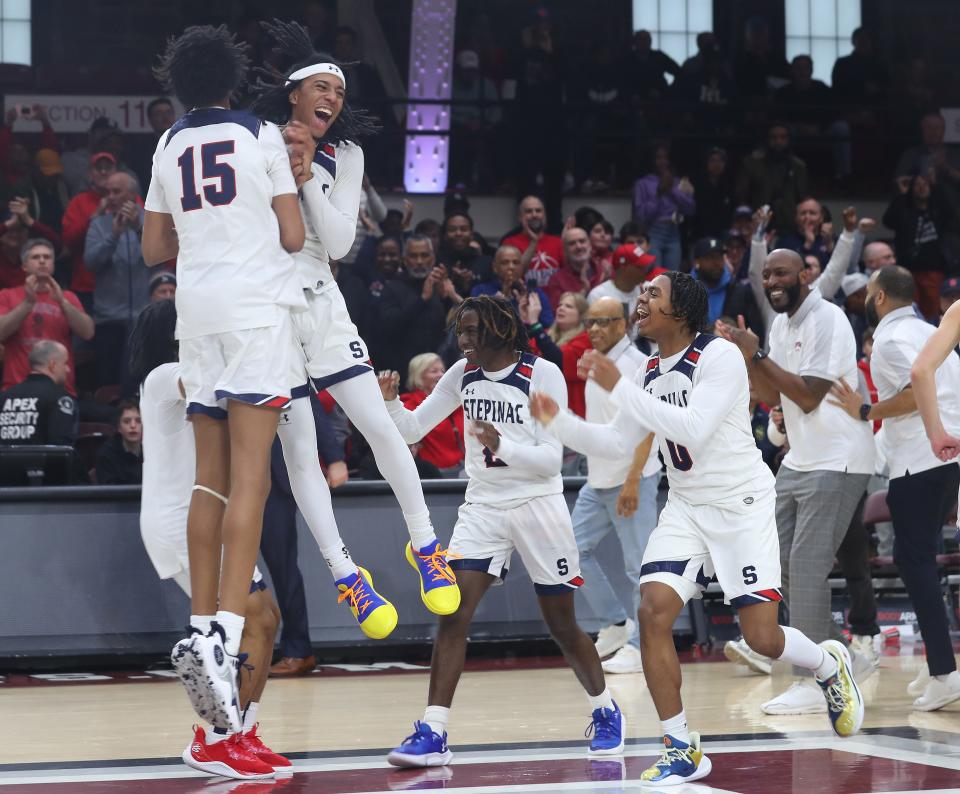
<point x="725" y="295"/>
<point x="632" y="266"/>
<point x="163" y="287"/>
<point x="112" y="253"/>
<point x="104" y="136"/>
<point x="620" y="494"/>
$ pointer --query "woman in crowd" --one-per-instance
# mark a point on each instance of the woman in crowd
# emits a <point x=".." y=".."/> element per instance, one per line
<point x="660" y="202"/>
<point x="601" y="249"/>
<point x="564" y="343"/>
<point x="442" y="446"/>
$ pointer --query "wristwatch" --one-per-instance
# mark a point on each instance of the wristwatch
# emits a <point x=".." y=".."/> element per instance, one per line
<point x="865" y="412"/>
<point x="760" y="355"/>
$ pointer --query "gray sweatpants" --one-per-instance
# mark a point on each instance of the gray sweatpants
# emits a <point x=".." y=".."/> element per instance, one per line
<point x="814" y="510"/>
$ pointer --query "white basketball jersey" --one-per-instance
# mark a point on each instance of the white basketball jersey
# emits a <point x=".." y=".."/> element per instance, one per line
<point x="728" y="462"/>
<point x="216" y="172"/>
<point x="330" y="203"/>
<point x="528" y="459"/>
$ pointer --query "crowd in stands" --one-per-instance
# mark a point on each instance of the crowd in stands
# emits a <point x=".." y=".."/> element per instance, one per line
<point x="72" y="272"/>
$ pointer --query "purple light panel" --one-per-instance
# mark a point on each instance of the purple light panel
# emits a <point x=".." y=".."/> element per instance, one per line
<point x="431" y="61"/>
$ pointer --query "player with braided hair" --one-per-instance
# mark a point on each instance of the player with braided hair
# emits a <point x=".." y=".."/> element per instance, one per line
<point x="323" y="132"/>
<point x="719" y="517"/>
<point x="514" y="500"/>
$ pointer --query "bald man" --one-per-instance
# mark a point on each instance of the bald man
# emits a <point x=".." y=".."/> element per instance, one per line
<point x="825" y="473"/>
<point x="878" y="255"/>
<point x="620" y="495"/>
<point x="541" y="253"/>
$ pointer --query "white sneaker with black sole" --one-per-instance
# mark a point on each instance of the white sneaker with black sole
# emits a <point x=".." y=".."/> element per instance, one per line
<point x="209" y="674"/>
<point x="612" y="638"/>
<point x="187" y="665"/>
<point x="738" y="652"/>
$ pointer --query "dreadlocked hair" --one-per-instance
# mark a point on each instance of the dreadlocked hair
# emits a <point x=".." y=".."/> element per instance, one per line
<point x="203" y="65"/>
<point x="152" y="341"/>
<point x="272" y="94"/>
<point x="689" y="300"/>
<point x="500" y="325"/>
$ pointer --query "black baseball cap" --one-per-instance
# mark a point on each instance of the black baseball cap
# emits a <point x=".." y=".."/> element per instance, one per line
<point x="707" y="246"/>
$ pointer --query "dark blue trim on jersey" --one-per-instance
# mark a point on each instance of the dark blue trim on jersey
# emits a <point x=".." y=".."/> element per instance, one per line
<point x="254" y="398"/>
<point x="207" y="410"/>
<point x="555" y="589"/>
<point x="676" y="567"/>
<point x="204" y="117"/>
<point x="338" y="377"/>
<point x="519" y="378"/>
<point x="256" y="587"/>
<point x="687" y="363"/>
<point x="300" y="391"/>
<point x="326" y="158"/>
<point x="461" y="564"/>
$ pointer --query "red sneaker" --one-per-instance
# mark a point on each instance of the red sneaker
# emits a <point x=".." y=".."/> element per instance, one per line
<point x="229" y="758"/>
<point x="255" y="746"/>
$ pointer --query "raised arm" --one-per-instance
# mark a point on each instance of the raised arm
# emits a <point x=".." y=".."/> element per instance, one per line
<point x="443" y="401"/>
<point x="923" y="378"/>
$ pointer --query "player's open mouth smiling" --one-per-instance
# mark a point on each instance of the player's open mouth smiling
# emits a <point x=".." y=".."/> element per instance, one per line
<point x="642" y="314"/>
<point x="323" y="114"/>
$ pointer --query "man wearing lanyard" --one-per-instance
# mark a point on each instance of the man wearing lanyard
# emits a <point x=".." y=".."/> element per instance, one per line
<point x="619" y="495"/>
<point x="922" y="486"/>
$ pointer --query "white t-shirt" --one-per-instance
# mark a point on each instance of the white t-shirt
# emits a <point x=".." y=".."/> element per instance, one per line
<point x="217" y="172"/>
<point x="607" y="289"/>
<point x="899" y="338"/>
<point x="610" y="472"/>
<point x="696" y="401"/>
<point x="169" y="469"/>
<point x="528" y="460"/>
<point x="818" y="341"/>
<point x="330" y="203"/>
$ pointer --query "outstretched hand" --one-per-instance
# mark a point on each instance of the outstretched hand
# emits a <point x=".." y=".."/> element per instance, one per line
<point x="741" y="336"/>
<point x="543" y="407"/>
<point x="595" y="366"/>
<point x="389" y="382"/>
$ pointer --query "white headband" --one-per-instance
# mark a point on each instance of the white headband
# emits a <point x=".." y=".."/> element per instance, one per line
<point x="317" y="68"/>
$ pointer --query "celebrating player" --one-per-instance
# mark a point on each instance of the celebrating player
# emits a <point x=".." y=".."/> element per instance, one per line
<point x="223" y="200"/>
<point x="324" y="130"/>
<point x="514" y="500"/>
<point x="719" y="516"/>
<point x="168" y="472"/>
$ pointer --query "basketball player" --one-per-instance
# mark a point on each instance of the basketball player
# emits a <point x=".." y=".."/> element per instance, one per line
<point x="168" y="473"/>
<point x="312" y="101"/>
<point x="719" y="516"/>
<point x="223" y="200"/>
<point x="514" y="500"/>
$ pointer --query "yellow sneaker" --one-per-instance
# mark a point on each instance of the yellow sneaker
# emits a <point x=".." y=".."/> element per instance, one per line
<point x="438" y="583"/>
<point x="679" y="763"/>
<point x="844" y="701"/>
<point x="376" y="616"/>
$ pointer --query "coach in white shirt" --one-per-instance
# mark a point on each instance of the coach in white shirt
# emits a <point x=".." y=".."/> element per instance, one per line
<point x="831" y="455"/>
<point x="620" y="495"/>
<point x="922" y="487"/>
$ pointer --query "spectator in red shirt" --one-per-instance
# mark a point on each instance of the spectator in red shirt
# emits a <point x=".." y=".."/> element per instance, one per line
<point x="76" y="220"/>
<point x="542" y="253"/>
<point x="565" y="343"/>
<point x="576" y="273"/>
<point x="442" y="446"/>
<point x="38" y="310"/>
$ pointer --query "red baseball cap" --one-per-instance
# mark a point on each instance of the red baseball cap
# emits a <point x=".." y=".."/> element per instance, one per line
<point x="102" y="156"/>
<point x="632" y="255"/>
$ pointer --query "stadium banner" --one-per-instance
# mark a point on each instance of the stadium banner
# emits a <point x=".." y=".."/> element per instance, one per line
<point x="76" y="112"/>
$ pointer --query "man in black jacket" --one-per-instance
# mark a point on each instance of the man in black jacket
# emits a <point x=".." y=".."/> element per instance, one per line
<point x="413" y="307"/>
<point x="727" y="297"/>
<point x="39" y="410"/>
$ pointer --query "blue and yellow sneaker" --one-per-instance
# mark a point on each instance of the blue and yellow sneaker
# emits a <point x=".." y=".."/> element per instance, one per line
<point x="438" y="583"/>
<point x="423" y="747"/>
<point x="377" y="616"/>
<point x="679" y="763"/>
<point x="844" y="701"/>
<point x="606" y="731"/>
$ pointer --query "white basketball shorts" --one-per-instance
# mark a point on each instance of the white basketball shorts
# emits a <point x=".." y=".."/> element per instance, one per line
<point x="333" y="349"/>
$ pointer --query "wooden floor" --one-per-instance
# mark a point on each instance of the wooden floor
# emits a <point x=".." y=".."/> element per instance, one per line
<point x="363" y="712"/>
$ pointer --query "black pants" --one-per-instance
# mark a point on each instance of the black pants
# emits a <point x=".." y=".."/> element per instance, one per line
<point x="278" y="545"/>
<point x="854" y="558"/>
<point x="919" y="504"/>
<point x="109" y="342"/>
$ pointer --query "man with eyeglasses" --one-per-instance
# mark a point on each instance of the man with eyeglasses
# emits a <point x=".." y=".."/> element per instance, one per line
<point x="620" y="495"/>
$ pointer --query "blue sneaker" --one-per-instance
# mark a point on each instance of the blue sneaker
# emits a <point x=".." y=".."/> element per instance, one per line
<point x="376" y="616"/>
<point x="423" y="747"/>
<point x="606" y="731"/>
<point x="679" y="763"/>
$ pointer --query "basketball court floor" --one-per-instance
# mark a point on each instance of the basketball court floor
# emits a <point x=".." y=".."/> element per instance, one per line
<point x="517" y="726"/>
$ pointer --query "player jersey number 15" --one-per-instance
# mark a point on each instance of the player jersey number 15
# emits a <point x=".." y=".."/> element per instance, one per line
<point x="222" y="191"/>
